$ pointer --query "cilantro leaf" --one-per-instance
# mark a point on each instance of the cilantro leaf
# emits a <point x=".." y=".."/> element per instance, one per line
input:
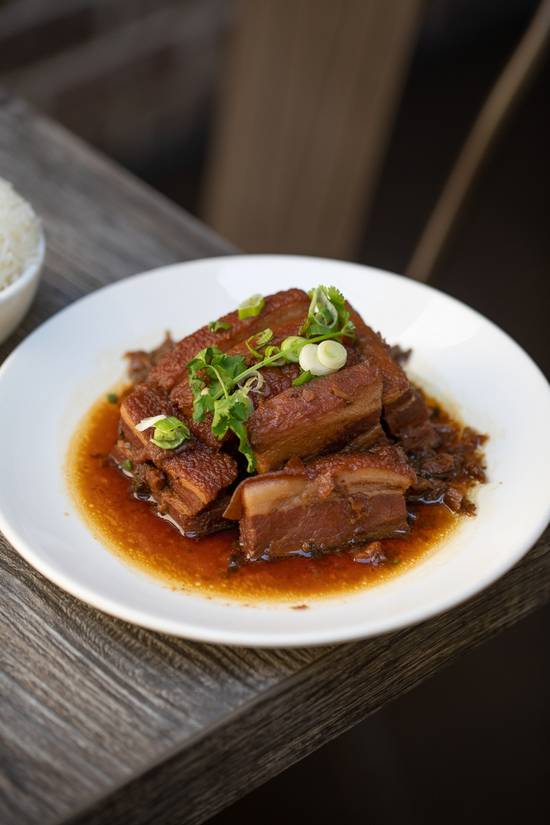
<point x="231" y="413"/>
<point x="239" y="428"/>
<point x="212" y="373"/>
<point x="327" y="314"/>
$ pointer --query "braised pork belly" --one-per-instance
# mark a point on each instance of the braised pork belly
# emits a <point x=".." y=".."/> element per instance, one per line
<point x="293" y="418"/>
<point x="283" y="307"/>
<point x="330" y="503"/>
<point x="186" y="483"/>
<point x="310" y="419"/>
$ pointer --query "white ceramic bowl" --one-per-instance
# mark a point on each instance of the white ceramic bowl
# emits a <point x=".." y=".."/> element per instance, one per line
<point x="458" y="355"/>
<point x="16" y="298"/>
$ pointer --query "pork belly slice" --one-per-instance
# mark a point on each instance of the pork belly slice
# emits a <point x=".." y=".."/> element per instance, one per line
<point x="408" y="418"/>
<point x="195" y="473"/>
<point x="326" y="413"/>
<point x="404" y="410"/>
<point x="275" y="381"/>
<point x="151" y="485"/>
<point x="327" y="504"/>
<point x="394" y="380"/>
<point x="279" y="379"/>
<point x="209" y="520"/>
<point x="370" y="437"/>
<point x="288" y="306"/>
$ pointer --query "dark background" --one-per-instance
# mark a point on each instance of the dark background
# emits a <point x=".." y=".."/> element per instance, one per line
<point x="471" y="744"/>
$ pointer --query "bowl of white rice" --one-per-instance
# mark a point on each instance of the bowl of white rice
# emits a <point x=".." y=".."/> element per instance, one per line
<point x="22" y="249"/>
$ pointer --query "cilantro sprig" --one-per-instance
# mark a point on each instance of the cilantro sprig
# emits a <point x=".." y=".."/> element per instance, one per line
<point x="221" y="384"/>
<point x="327" y="316"/>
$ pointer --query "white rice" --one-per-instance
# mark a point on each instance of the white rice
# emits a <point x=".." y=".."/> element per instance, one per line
<point x="19" y="234"/>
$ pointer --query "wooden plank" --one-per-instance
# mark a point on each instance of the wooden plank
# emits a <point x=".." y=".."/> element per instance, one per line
<point x="101" y="223"/>
<point x="334" y="691"/>
<point x="305" y="115"/>
<point x="101" y="721"/>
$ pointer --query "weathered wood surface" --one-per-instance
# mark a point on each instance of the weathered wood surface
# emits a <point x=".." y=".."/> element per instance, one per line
<point x="104" y="722"/>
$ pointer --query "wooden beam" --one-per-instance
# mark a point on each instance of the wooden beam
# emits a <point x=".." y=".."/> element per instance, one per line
<point x="304" y="118"/>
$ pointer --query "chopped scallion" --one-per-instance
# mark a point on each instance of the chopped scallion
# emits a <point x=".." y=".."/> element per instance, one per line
<point x="218" y="326"/>
<point x="332" y="354"/>
<point x="170" y="432"/>
<point x="251" y="307"/>
<point x="303" y="378"/>
<point x="145" y="423"/>
<point x="256" y="342"/>
<point x="309" y="360"/>
<point x="292" y="346"/>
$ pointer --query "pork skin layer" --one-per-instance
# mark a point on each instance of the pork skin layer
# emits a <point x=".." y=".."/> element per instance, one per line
<point x="327" y="504"/>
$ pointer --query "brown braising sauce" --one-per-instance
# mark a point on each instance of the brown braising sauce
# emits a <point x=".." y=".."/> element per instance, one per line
<point x="131" y="529"/>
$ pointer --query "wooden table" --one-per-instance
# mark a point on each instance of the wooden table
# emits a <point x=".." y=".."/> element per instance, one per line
<point x="104" y="722"/>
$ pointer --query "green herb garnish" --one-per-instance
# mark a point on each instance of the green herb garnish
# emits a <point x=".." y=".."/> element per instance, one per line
<point x="273" y="357"/>
<point x="327" y="315"/>
<point x="169" y="433"/>
<point x="218" y="326"/>
<point x="112" y="398"/>
<point x="232" y="413"/>
<point x="251" y="307"/>
<point x="292" y="346"/>
<point x="221" y="384"/>
<point x="212" y="374"/>
<point x="213" y="378"/>
<point x="256" y="342"/>
<point x="303" y="378"/>
<point x="127" y="465"/>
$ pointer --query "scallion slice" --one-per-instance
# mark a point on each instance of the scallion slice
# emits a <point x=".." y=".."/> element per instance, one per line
<point x="332" y="354"/>
<point x="170" y="432"/>
<point x="251" y="307"/>
<point x="292" y="346"/>
<point x="145" y="423"/>
<point x="218" y="326"/>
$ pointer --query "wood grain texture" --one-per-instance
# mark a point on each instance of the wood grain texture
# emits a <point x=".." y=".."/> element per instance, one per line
<point x="101" y="721"/>
<point x="311" y="90"/>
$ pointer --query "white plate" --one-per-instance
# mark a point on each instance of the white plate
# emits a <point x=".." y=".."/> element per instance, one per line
<point x="55" y="375"/>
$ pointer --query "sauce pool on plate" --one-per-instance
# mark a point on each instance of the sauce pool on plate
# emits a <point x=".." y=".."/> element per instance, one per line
<point x="130" y="528"/>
